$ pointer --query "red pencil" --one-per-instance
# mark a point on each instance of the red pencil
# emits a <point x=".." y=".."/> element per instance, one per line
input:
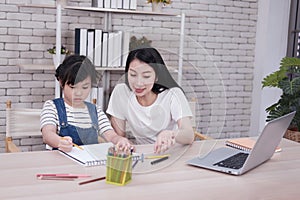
<point x="92" y="180"/>
<point x="64" y="175"/>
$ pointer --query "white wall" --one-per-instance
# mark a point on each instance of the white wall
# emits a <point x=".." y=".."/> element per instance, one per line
<point x="271" y="42"/>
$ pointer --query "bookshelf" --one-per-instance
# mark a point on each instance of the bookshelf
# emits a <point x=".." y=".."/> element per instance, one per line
<point x="107" y="26"/>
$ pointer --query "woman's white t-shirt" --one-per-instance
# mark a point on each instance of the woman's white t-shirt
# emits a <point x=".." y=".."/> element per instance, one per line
<point x="146" y="122"/>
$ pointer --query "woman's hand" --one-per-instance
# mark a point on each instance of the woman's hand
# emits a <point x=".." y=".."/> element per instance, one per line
<point x="65" y="144"/>
<point x="164" y="141"/>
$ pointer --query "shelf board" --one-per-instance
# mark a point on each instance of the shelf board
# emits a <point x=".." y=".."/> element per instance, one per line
<point x="51" y="67"/>
<point x="110" y="68"/>
<point x="94" y="9"/>
<point x="38" y="5"/>
<point x="37" y="66"/>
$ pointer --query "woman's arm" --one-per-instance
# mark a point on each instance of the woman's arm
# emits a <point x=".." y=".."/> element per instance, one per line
<point x="183" y="135"/>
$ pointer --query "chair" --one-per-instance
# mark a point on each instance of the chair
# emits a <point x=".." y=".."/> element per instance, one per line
<point x="20" y="122"/>
<point x="197" y="135"/>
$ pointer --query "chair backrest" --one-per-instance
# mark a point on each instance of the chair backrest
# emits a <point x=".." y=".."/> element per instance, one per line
<point x="193" y="109"/>
<point x="22" y="122"/>
<point x="194" y="124"/>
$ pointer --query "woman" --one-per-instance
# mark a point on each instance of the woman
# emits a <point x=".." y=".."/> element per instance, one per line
<point x="151" y="102"/>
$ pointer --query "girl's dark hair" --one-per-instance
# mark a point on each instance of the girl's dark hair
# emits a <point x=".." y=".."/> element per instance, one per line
<point x="153" y="58"/>
<point x="74" y="69"/>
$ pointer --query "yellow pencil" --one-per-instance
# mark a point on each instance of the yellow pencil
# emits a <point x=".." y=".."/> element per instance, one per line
<point x="75" y="145"/>
<point x="79" y="147"/>
<point x="157" y="156"/>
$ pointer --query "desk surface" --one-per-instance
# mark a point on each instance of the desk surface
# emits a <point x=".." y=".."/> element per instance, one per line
<point x="279" y="178"/>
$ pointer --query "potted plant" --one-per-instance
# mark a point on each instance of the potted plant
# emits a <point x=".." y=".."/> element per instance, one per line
<point x="286" y="78"/>
<point x="63" y="52"/>
<point x="157" y="4"/>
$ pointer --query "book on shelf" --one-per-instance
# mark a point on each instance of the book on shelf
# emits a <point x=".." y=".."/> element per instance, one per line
<point x="110" y="53"/>
<point x="105" y="49"/>
<point x="90" y="44"/>
<point x="125" y="47"/>
<point x="133" y="4"/>
<point x="106" y="4"/>
<point x="117" y="49"/>
<point x="115" y="4"/>
<point x="98" y="47"/>
<point x="245" y="144"/>
<point x="92" y="154"/>
<point x="81" y="41"/>
<point x="126" y="4"/>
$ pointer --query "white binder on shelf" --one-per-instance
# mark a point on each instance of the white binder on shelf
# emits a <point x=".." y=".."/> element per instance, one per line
<point x="81" y="41"/>
<point x="98" y="47"/>
<point x="125" y="47"/>
<point x="104" y="49"/>
<point x="90" y="44"/>
<point x="117" y="56"/>
<point x="133" y="4"/>
<point x="110" y="53"/>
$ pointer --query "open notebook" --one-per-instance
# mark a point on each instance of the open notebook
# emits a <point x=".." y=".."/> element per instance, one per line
<point x="93" y="154"/>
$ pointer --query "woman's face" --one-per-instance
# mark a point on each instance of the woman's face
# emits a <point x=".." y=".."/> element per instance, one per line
<point x="141" y="77"/>
<point x="74" y="95"/>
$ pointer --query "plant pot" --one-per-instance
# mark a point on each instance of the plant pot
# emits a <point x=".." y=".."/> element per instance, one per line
<point x="157" y="7"/>
<point x="57" y="62"/>
<point x="292" y="135"/>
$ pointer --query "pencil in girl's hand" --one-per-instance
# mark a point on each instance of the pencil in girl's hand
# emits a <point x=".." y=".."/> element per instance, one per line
<point x="79" y="147"/>
<point x="75" y="145"/>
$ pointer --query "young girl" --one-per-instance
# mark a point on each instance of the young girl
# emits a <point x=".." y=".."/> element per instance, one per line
<point x="151" y="102"/>
<point x="70" y="119"/>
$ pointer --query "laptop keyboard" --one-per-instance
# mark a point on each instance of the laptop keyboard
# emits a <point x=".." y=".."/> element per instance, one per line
<point x="234" y="162"/>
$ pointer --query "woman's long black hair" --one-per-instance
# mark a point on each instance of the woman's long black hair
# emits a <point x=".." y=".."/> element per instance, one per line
<point x="152" y="57"/>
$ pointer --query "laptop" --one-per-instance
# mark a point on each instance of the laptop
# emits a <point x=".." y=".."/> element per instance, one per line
<point x="236" y="162"/>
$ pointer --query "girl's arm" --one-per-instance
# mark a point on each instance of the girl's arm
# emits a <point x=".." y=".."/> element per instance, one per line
<point x="118" y="125"/>
<point x="51" y="138"/>
<point x="117" y="136"/>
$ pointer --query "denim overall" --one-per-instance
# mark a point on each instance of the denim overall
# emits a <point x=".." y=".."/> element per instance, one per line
<point x="80" y="136"/>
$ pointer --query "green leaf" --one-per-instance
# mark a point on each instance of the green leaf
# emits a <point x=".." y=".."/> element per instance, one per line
<point x="273" y="79"/>
<point x="290" y="87"/>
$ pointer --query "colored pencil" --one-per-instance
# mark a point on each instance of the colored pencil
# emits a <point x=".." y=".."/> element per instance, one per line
<point x="159" y="160"/>
<point x="157" y="156"/>
<point x="64" y="175"/>
<point x="75" y="145"/>
<point x="92" y="180"/>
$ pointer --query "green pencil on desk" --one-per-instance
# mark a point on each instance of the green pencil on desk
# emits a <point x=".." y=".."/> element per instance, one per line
<point x="159" y="160"/>
<point x="157" y="156"/>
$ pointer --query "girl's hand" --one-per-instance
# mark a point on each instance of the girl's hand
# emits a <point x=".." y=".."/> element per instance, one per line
<point x="164" y="141"/>
<point x="65" y="144"/>
<point x="124" y="144"/>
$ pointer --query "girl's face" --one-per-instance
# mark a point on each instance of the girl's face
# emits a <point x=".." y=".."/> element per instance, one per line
<point x="141" y="78"/>
<point x="74" y="95"/>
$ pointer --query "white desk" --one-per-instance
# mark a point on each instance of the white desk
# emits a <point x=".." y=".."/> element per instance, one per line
<point x="279" y="178"/>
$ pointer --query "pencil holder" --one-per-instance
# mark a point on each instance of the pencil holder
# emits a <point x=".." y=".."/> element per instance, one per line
<point x="118" y="170"/>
